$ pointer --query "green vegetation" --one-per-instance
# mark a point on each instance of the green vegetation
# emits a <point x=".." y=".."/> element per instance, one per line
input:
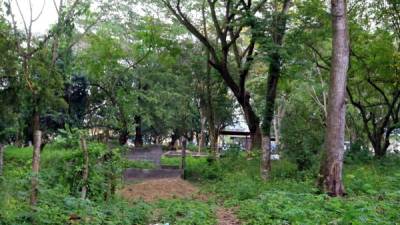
<point x="60" y="202"/>
<point x="288" y="198"/>
<point x="279" y="112"/>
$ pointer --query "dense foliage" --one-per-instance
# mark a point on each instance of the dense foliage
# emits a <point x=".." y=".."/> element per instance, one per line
<point x="372" y="189"/>
<point x="108" y="77"/>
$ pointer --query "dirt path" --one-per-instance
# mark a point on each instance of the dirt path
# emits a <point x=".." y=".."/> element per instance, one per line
<point x="166" y="188"/>
<point x="226" y="217"/>
<point x="171" y="188"/>
<point x="163" y="183"/>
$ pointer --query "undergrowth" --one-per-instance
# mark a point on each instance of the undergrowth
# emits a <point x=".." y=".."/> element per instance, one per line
<point x="289" y="197"/>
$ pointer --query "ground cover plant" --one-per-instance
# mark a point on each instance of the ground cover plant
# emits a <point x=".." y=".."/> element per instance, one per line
<point x="199" y="112"/>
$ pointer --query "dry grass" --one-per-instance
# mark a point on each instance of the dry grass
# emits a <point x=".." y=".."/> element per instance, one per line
<point x="153" y="190"/>
<point x="226" y="217"/>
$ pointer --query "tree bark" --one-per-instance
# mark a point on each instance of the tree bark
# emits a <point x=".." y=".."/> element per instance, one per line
<point x="380" y="142"/>
<point x="183" y="160"/>
<point x="266" y="157"/>
<point x="1" y="159"/>
<point x="138" y="132"/>
<point x="378" y="128"/>
<point x="85" y="172"/>
<point x="37" y="138"/>
<point x="203" y="120"/>
<point x="253" y="122"/>
<point x="332" y="164"/>
<point x="214" y="142"/>
<point x="174" y="138"/>
<point x="277" y="121"/>
<point x="272" y="85"/>
<point x="123" y="136"/>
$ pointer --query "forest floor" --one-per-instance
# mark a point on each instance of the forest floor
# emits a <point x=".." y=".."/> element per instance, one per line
<point x="221" y="192"/>
<point x="173" y="188"/>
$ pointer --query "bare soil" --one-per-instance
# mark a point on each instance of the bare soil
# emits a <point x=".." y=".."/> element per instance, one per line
<point x="153" y="190"/>
<point x="226" y="217"/>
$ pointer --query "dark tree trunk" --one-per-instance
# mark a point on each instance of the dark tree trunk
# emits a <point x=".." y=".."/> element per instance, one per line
<point x="379" y="128"/>
<point x="191" y="136"/>
<point x="380" y="143"/>
<point x="138" y="132"/>
<point x="253" y="123"/>
<point x="379" y="151"/>
<point x="123" y="136"/>
<point x="183" y="161"/>
<point x="272" y="86"/>
<point x="174" y="138"/>
<point x="332" y="164"/>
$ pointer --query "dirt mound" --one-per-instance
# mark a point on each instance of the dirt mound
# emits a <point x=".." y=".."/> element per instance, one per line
<point x="152" y="190"/>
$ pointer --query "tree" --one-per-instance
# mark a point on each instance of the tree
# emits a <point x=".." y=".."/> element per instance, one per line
<point x="278" y="28"/>
<point x="374" y="88"/>
<point x="110" y="83"/>
<point x="332" y="164"/>
<point x="230" y="54"/>
<point x="9" y="84"/>
<point x="40" y="76"/>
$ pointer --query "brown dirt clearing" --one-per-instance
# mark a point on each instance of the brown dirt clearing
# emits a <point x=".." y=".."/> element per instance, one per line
<point x="226" y="217"/>
<point x="172" y="188"/>
<point x="153" y="190"/>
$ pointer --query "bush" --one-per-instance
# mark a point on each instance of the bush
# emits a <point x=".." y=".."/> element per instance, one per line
<point x="289" y="196"/>
<point x="185" y="212"/>
<point x="302" y="135"/>
<point x="357" y="153"/>
<point x="60" y="185"/>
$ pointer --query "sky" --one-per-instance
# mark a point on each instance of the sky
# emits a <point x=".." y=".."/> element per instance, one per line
<point x="43" y="23"/>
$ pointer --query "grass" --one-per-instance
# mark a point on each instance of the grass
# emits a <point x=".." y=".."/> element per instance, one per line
<point x="289" y="197"/>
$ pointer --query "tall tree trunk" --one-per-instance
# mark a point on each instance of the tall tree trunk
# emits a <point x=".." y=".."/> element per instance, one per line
<point x="174" y="138"/>
<point x="331" y="179"/>
<point x="272" y="85"/>
<point x="37" y="138"/>
<point x="124" y="132"/>
<point x="203" y="120"/>
<point x="1" y="159"/>
<point x="276" y="131"/>
<point x="280" y="113"/>
<point x="380" y="142"/>
<point x="85" y="172"/>
<point x="138" y="132"/>
<point x="253" y="123"/>
<point x="213" y="134"/>
<point x="266" y="157"/>
<point x="183" y="159"/>
<point x="274" y="73"/>
<point x="214" y="142"/>
<point x="123" y="136"/>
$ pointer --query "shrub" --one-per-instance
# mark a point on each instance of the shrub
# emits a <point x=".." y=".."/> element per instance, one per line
<point x="357" y="153"/>
<point x="185" y="212"/>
